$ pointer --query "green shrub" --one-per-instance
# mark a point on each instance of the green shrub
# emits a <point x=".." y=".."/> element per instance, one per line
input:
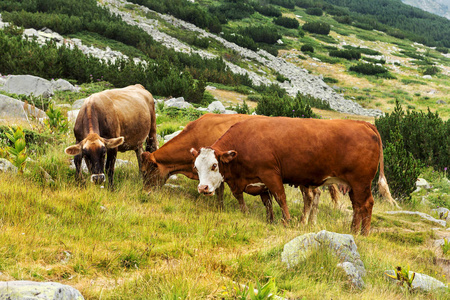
<point x="17" y="152"/>
<point x="330" y="80"/>
<point x="371" y="69"/>
<point x="286" y="22"/>
<point x="317" y="27"/>
<point x="347" y="54"/>
<point x="431" y="70"/>
<point x="274" y="105"/>
<point x="314" y="11"/>
<point x="307" y="48"/>
<point x="261" y="34"/>
<point x="367" y="51"/>
<point x="343" y="19"/>
<point x="56" y="121"/>
<point x="442" y="49"/>
<point x="267" y="10"/>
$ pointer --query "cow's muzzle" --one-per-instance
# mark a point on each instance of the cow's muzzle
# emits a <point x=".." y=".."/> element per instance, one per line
<point x="204" y="189"/>
<point x="98" y="178"/>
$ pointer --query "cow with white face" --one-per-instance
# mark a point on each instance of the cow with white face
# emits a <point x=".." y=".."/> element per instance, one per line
<point x="207" y="166"/>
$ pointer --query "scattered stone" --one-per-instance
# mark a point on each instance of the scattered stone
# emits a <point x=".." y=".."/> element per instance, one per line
<point x="63" y="85"/>
<point x="7" y="166"/>
<point x="427" y="77"/>
<point x="16" y="290"/>
<point x="422" y="183"/>
<point x="216" y="106"/>
<point x="421" y="281"/>
<point x="421" y="214"/>
<point x="442" y="212"/>
<point x="122" y="163"/>
<point x="343" y="246"/>
<point x="168" y="137"/>
<point x="47" y="177"/>
<point x="441" y="102"/>
<point x="177" y="102"/>
<point x="78" y="103"/>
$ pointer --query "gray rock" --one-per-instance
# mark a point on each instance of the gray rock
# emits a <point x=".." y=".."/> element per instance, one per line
<point x="441" y="102"/>
<point x="13" y="108"/>
<point x="229" y="112"/>
<point x="178" y="103"/>
<point x="72" y="115"/>
<point x="63" y="85"/>
<point x="216" y="106"/>
<point x="421" y="214"/>
<point x="7" y="166"/>
<point x="421" y="281"/>
<point x="123" y="163"/>
<point x="342" y="245"/>
<point x="78" y="104"/>
<point x="422" y="183"/>
<point x="427" y="77"/>
<point x="28" y="85"/>
<point x="18" y="290"/>
<point x="168" y="137"/>
<point x="442" y="212"/>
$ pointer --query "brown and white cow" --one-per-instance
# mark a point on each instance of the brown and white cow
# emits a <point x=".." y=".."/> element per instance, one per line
<point x="111" y="121"/>
<point x="174" y="158"/>
<point x="264" y="153"/>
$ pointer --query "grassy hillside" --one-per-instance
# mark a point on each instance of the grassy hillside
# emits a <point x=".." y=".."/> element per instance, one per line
<point x="175" y="243"/>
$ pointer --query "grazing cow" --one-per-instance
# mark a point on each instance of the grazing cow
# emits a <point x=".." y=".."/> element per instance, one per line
<point x="174" y="158"/>
<point x="111" y="121"/>
<point x="262" y="154"/>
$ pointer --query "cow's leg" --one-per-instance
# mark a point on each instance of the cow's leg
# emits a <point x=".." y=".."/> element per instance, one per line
<point x="362" y="203"/>
<point x="276" y="188"/>
<point x="314" y="205"/>
<point x="138" y="152"/>
<point x="242" y="206"/>
<point x="110" y="163"/>
<point x="307" y="200"/>
<point x="266" y="199"/>
<point x="334" y="193"/>
<point x="152" y="141"/>
<point x="219" y="193"/>
<point x="77" y="160"/>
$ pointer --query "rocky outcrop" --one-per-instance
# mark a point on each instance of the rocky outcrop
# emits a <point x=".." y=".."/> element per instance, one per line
<point x="17" y="290"/>
<point x="28" y="85"/>
<point x="342" y="245"/>
<point x="300" y="80"/>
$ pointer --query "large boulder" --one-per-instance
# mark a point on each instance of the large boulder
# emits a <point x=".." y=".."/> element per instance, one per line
<point x="342" y="245"/>
<point x="18" y="290"/>
<point x="16" y="109"/>
<point x="420" y="214"/>
<point x="216" y="106"/>
<point x="28" y="85"/>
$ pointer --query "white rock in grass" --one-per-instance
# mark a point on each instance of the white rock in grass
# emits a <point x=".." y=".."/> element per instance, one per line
<point x="18" y="290"/>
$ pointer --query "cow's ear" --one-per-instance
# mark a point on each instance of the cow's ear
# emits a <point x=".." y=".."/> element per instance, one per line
<point x="194" y="152"/>
<point x="228" y="156"/>
<point x="73" y="150"/>
<point x="114" y="142"/>
<point x="147" y="157"/>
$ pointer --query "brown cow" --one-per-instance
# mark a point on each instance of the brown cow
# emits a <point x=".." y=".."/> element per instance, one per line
<point x="174" y="158"/>
<point x="111" y="121"/>
<point x="263" y="153"/>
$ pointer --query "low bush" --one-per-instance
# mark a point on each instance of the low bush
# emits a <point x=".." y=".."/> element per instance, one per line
<point x="274" y="105"/>
<point x="347" y="54"/>
<point x="317" y="27"/>
<point x="267" y="10"/>
<point x="286" y="22"/>
<point x="314" y="11"/>
<point x="307" y="48"/>
<point x="368" y="69"/>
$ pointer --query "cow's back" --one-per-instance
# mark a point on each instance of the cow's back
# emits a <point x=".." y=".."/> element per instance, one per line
<point x="302" y="151"/>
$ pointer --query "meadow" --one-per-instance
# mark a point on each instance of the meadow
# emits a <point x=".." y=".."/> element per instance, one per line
<point x="176" y="244"/>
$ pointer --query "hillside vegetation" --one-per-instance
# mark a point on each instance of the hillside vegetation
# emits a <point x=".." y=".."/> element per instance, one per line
<point x="175" y="243"/>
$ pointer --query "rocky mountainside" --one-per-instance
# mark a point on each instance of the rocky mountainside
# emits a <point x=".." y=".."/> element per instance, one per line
<point x="438" y="7"/>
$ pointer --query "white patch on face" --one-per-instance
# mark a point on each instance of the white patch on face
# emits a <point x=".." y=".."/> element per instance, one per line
<point x="208" y="171"/>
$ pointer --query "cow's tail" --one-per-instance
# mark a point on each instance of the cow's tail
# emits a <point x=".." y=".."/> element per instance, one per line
<point x="382" y="182"/>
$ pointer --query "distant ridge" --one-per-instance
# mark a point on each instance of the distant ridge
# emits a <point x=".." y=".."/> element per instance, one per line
<point x="437" y="7"/>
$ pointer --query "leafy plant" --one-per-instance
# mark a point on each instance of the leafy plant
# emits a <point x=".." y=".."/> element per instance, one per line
<point x="16" y="153"/>
<point x="56" y="121"/>
<point x="266" y="291"/>
<point x="446" y="245"/>
<point x="403" y="276"/>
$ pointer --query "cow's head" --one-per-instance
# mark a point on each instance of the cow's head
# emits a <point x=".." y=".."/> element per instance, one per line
<point x="207" y="164"/>
<point x="93" y="150"/>
<point x="152" y="173"/>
